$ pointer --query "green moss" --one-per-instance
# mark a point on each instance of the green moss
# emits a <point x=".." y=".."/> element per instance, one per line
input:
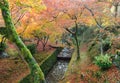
<point x="39" y="57"/>
<point x="32" y="48"/>
<point x="12" y="52"/>
<point x="70" y="66"/>
<point x="48" y="63"/>
<point x="45" y="65"/>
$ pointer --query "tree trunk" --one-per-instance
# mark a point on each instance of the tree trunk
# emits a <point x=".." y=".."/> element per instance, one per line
<point x="44" y="47"/>
<point x="37" y="44"/>
<point x="77" y="46"/>
<point x="13" y="36"/>
<point x="77" y="42"/>
<point x="44" y="42"/>
<point x="101" y="44"/>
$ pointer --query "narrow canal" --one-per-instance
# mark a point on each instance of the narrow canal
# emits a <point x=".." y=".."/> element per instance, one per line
<point x="58" y="70"/>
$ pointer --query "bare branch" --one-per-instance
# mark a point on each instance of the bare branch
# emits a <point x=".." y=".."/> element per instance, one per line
<point x="69" y="31"/>
<point x="45" y="39"/>
<point x="23" y="30"/>
<point x="15" y="12"/>
<point x="82" y="10"/>
<point x="93" y="15"/>
<point x="49" y="21"/>
<point x="19" y="19"/>
<point x="65" y="11"/>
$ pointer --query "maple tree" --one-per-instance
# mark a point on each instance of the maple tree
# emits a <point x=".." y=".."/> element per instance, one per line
<point x="67" y="17"/>
<point x="101" y="18"/>
<point x="114" y="9"/>
<point x="73" y="13"/>
<point x="12" y="35"/>
<point x="41" y="37"/>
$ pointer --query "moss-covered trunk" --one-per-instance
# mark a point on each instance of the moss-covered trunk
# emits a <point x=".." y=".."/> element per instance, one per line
<point x="77" y="41"/>
<point x="77" y="47"/>
<point x="38" y="76"/>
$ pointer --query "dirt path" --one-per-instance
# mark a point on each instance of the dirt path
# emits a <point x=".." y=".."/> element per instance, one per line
<point x="77" y="66"/>
<point x="85" y="58"/>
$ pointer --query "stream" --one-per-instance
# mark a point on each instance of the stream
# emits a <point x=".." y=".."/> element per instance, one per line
<point x="58" y="70"/>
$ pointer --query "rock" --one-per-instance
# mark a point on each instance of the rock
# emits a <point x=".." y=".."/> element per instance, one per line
<point x="116" y="61"/>
<point x="4" y="55"/>
<point x="65" y="54"/>
<point x="65" y="50"/>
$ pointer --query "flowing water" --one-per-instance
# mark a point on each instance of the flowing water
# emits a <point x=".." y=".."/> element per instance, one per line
<point x="58" y="70"/>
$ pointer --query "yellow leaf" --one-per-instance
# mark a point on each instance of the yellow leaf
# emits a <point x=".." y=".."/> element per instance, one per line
<point x="68" y="82"/>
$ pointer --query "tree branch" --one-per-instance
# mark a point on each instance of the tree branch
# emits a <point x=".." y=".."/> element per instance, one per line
<point x="69" y="31"/>
<point x="24" y="30"/>
<point x="82" y="9"/>
<point x="93" y="15"/>
<point x="47" y="37"/>
<point x="19" y="19"/>
<point x="67" y="14"/>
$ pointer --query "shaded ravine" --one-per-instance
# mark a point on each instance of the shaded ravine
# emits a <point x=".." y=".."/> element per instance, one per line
<point x="58" y="70"/>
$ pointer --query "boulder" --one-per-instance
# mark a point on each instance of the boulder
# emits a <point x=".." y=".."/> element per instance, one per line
<point x="4" y="55"/>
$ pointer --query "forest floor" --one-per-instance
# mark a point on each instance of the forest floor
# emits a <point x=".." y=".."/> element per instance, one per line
<point x="84" y="71"/>
<point x="13" y="69"/>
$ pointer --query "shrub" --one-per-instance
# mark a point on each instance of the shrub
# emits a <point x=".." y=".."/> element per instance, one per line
<point x="97" y="74"/>
<point x="118" y="52"/>
<point x="32" y="48"/>
<point x="103" y="61"/>
<point x="3" y="46"/>
<point x="106" y="44"/>
<point x="12" y="52"/>
<point x="116" y="59"/>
